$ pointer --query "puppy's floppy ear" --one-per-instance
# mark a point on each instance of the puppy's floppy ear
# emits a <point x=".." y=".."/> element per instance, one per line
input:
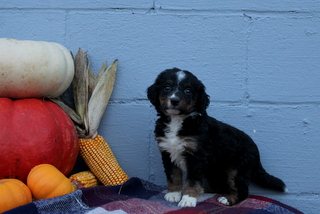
<point x="153" y="94"/>
<point x="203" y="100"/>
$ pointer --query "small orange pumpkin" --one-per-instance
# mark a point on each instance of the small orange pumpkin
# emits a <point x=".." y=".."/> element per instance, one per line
<point x="13" y="193"/>
<point x="46" y="181"/>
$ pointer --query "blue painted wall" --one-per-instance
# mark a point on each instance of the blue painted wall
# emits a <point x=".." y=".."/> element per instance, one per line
<point x="259" y="60"/>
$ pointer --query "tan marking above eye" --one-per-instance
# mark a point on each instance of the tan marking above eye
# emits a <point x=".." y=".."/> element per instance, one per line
<point x="169" y="82"/>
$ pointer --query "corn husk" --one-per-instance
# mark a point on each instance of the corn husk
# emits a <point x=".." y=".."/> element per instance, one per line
<point x="91" y="94"/>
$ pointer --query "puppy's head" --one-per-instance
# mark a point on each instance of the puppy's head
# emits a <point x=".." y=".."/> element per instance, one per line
<point x="178" y="92"/>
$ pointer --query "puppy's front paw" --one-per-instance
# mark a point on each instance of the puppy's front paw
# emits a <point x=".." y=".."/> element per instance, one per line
<point x="223" y="200"/>
<point x="173" y="196"/>
<point x="188" y="201"/>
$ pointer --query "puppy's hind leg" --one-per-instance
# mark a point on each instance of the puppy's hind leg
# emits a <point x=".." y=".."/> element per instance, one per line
<point x="238" y="189"/>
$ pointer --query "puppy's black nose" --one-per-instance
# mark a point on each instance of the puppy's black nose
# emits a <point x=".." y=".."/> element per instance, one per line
<point x="175" y="101"/>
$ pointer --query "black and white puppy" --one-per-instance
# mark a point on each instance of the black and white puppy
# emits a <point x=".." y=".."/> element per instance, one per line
<point x="205" y="149"/>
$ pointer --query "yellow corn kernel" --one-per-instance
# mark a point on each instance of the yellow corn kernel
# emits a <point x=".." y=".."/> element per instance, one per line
<point x="84" y="179"/>
<point x="101" y="161"/>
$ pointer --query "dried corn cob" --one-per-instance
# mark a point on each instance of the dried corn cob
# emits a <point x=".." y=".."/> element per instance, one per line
<point x="87" y="116"/>
<point x="84" y="179"/>
<point x="101" y="161"/>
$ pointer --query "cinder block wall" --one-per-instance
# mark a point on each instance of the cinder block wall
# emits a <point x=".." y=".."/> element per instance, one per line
<point x="260" y="62"/>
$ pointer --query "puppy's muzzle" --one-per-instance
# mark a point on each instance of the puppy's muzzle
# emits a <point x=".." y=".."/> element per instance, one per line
<point x="173" y="105"/>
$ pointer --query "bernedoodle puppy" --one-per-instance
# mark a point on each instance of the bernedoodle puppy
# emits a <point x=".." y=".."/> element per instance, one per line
<point x="206" y="150"/>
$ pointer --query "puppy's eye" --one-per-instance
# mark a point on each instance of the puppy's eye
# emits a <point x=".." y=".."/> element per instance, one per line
<point x="187" y="91"/>
<point x="167" y="87"/>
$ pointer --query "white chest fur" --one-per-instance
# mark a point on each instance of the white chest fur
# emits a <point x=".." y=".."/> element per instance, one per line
<point x="172" y="143"/>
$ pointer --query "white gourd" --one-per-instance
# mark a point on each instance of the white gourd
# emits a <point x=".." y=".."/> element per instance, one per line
<point x="34" y="68"/>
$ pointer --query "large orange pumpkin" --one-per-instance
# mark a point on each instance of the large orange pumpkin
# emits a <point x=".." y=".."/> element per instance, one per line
<point x="13" y="193"/>
<point x="35" y="131"/>
<point x="46" y="181"/>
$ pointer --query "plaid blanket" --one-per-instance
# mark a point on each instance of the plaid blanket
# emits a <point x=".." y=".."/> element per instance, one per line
<point x="137" y="196"/>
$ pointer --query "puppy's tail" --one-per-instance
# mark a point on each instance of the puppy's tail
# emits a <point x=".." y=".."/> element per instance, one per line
<point x="264" y="179"/>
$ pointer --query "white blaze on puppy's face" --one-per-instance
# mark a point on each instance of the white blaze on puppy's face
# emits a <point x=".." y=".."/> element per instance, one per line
<point x="180" y="75"/>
